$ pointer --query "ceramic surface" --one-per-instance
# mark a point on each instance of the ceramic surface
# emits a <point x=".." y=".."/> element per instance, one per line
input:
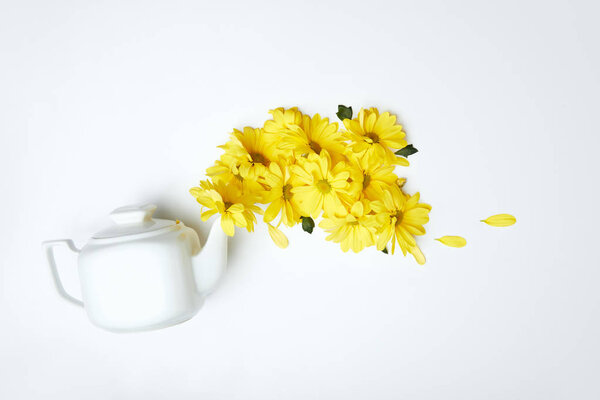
<point x="143" y="273"/>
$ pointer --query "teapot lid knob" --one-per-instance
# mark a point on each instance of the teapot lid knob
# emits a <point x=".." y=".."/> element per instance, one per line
<point x="135" y="214"/>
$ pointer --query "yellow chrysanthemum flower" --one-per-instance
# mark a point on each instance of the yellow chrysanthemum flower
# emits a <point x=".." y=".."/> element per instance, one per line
<point x="249" y="152"/>
<point x="228" y="199"/>
<point x="280" y="196"/>
<point x="354" y="231"/>
<point x="320" y="186"/>
<point x="375" y="135"/>
<point x="303" y="166"/>
<point x="400" y="217"/>
<point x="312" y="136"/>
<point x="222" y="173"/>
<point x="283" y="120"/>
<point x="368" y="177"/>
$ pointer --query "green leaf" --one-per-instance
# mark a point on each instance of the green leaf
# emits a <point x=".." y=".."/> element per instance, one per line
<point x="344" y="112"/>
<point x="308" y="224"/>
<point x="384" y="251"/>
<point x="406" y="151"/>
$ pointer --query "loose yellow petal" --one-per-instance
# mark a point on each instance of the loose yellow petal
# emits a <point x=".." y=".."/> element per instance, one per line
<point x="278" y="237"/>
<point x="500" y="220"/>
<point x="453" y="241"/>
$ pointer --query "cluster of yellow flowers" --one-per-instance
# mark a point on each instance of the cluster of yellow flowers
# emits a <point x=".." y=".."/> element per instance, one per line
<point x="305" y="167"/>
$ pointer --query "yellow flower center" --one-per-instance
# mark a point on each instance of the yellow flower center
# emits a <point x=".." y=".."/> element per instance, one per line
<point x="366" y="181"/>
<point x="287" y="192"/>
<point x="316" y="147"/>
<point x="399" y="216"/>
<point x="372" y="137"/>
<point x="324" y="186"/>
<point x="227" y="205"/>
<point x="259" y="158"/>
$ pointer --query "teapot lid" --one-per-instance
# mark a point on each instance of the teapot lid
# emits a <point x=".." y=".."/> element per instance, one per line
<point x="132" y="220"/>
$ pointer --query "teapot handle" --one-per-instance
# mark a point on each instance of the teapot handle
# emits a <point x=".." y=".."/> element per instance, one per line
<point x="49" y="251"/>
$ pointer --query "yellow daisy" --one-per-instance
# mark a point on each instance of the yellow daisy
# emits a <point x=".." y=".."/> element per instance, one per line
<point x="236" y="208"/>
<point x="368" y="177"/>
<point x="312" y="136"/>
<point x="375" y="135"/>
<point x="320" y="185"/>
<point x="223" y="172"/>
<point x="355" y="230"/>
<point x="283" y="120"/>
<point x="250" y="152"/>
<point x="400" y="217"/>
<point x="220" y="172"/>
<point x="280" y="196"/>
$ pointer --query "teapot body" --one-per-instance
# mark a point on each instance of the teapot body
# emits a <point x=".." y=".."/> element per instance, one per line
<point x="142" y="273"/>
<point x="141" y="282"/>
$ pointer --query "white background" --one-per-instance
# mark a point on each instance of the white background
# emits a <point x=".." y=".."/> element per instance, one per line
<point x="104" y="104"/>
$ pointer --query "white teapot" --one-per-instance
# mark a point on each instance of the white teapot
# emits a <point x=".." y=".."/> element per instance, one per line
<point x="143" y="273"/>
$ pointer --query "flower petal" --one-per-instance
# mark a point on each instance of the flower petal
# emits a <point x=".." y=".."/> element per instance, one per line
<point x="417" y="254"/>
<point x="273" y="210"/>
<point x="227" y="225"/>
<point x="236" y="208"/>
<point x="207" y="214"/>
<point x="453" y="241"/>
<point x="357" y="209"/>
<point x="278" y="237"/>
<point x="239" y="219"/>
<point x="500" y="220"/>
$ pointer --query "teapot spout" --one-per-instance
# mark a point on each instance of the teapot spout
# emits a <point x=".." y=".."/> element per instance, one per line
<point x="209" y="264"/>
